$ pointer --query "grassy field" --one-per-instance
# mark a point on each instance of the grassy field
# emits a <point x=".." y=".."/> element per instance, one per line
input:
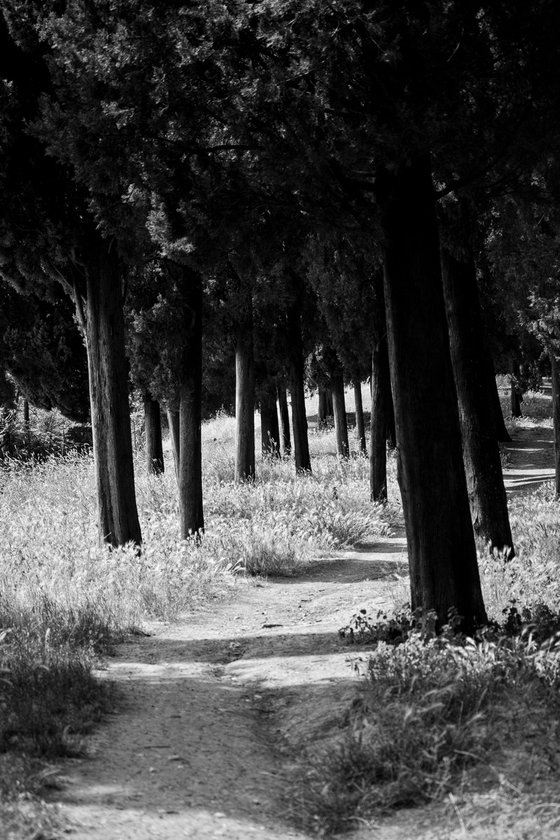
<point x="64" y="602"/>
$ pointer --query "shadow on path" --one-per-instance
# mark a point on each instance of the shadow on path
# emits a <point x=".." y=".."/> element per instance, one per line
<point x="531" y="459"/>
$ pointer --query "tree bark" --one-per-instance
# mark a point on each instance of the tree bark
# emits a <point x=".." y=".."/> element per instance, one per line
<point x="481" y="456"/>
<point x="152" y="429"/>
<point x="190" y="410"/>
<point x="441" y="549"/>
<point x="515" y="397"/>
<point x="500" y="431"/>
<point x="297" y="391"/>
<point x="325" y="408"/>
<point x="380" y="398"/>
<point x="270" y="430"/>
<point x="360" y="424"/>
<point x="555" y="375"/>
<point x="245" y="397"/>
<point x="382" y="417"/>
<point x="173" y="423"/>
<point x="110" y="416"/>
<point x="339" y="414"/>
<point x="285" y="437"/>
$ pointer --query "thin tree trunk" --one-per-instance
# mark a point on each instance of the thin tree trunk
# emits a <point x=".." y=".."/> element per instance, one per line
<point x="441" y="549"/>
<point x="152" y="429"/>
<point x="555" y="372"/>
<point x="270" y="430"/>
<point x="382" y="418"/>
<point x="339" y="413"/>
<point x="245" y="398"/>
<point x="325" y="405"/>
<point x="481" y="455"/>
<point x="515" y="398"/>
<point x="190" y="410"/>
<point x="283" y="411"/>
<point x="110" y="416"/>
<point x="297" y="391"/>
<point x="360" y="424"/>
<point x="380" y="389"/>
<point x="173" y="423"/>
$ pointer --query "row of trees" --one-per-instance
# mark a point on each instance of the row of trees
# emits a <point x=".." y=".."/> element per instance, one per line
<point x="355" y="180"/>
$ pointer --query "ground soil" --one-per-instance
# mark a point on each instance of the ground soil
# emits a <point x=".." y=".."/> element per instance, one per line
<point x="212" y="710"/>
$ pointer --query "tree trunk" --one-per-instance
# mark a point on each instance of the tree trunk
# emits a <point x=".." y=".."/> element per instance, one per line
<point x="382" y="417"/>
<point x="515" y="398"/>
<point x="555" y="375"/>
<point x="270" y="430"/>
<point x="441" y="549"/>
<point x="173" y="423"/>
<point x="152" y="429"/>
<point x="380" y="399"/>
<point x="360" y="425"/>
<point x="245" y="397"/>
<point x="190" y="410"/>
<point x="297" y="391"/>
<point x="500" y="431"/>
<point x="481" y="455"/>
<point x="110" y="416"/>
<point x="339" y="413"/>
<point x="325" y="408"/>
<point x="285" y="438"/>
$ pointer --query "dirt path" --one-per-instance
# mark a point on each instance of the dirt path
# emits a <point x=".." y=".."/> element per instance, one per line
<point x="189" y="753"/>
<point x="193" y="750"/>
<point x="531" y="457"/>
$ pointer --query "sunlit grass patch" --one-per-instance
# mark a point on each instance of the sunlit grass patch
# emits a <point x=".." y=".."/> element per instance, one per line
<point x="531" y="577"/>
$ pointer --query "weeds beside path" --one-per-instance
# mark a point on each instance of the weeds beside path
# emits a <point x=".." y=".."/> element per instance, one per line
<point x="192" y="752"/>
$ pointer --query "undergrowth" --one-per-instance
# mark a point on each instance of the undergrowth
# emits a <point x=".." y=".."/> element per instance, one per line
<point x="429" y="711"/>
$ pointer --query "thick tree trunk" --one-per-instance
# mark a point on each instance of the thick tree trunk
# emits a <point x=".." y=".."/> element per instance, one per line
<point x="190" y="410"/>
<point x="110" y="416"/>
<point x="339" y="414"/>
<point x="152" y="429"/>
<point x="173" y="423"/>
<point x="270" y="430"/>
<point x="360" y="424"/>
<point x="382" y="417"/>
<point x="297" y="391"/>
<point x="325" y="408"/>
<point x="245" y="398"/>
<point x="481" y="455"/>
<point x="283" y="411"/>
<point x="555" y="372"/>
<point x="441" y="549"/>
